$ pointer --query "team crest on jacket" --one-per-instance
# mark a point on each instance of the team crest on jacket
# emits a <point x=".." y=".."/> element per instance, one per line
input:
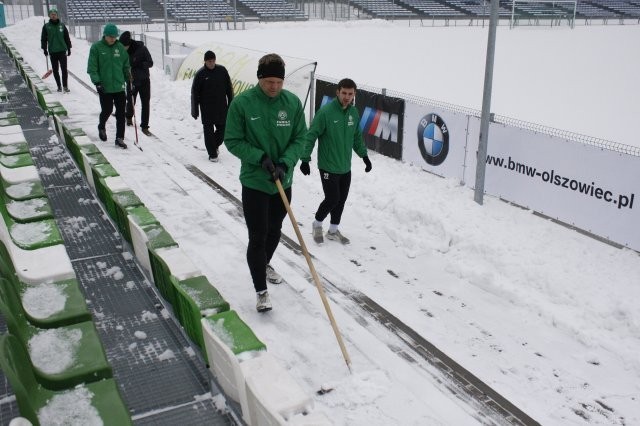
<point x="283" y="119"/>
<point x="350" y="121"/>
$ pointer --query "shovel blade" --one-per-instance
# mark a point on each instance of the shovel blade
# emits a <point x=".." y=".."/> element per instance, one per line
<point x="47" y="74"/>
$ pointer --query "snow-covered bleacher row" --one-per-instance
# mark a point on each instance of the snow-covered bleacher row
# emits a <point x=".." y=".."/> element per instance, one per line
<point x="238" y="360"/>
<point x="220" y="10"/>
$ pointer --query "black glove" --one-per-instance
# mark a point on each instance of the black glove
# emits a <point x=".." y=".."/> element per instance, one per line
<point x="100" y="88"/>
<point x="305" y="169"/>
<point x="194" y="114"/>
<point x="267" y="164"/>
<point x="279" y="172"/>
<point x="367" y="164"/>
<point x="45" y="52"/>
<point x="69" y="52"/>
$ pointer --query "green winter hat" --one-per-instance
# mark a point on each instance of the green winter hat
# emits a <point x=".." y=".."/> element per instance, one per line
<point x="53" y="10"/>
<point x="110" y="30"/>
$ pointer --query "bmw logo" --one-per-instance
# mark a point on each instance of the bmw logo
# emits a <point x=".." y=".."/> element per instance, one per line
<point x="433" y="139"/>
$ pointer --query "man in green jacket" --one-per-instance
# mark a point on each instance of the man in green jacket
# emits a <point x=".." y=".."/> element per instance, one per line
<point x="337" y="127"/>
<point x="55" y="41"/>
<point x="108" y="67"/>
<point x="265" y="128"/>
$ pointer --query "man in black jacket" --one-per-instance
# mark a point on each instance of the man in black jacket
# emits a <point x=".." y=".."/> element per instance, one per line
<point x="55" y="41"/>
<point x="140" y="60"/>
<point x="212" y="92"/>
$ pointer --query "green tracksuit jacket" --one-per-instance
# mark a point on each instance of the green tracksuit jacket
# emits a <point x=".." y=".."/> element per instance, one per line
<point x="109" y="66"/>
<point x="258" y="125"/>
<point x="338" y="131"/>
<point x="55" y="37"/>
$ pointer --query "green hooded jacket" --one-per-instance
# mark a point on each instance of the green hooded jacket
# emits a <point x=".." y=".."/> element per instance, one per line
<point x="109" y="66"/>
<point x="338" y="131"/>
<point x="259" y="125"/>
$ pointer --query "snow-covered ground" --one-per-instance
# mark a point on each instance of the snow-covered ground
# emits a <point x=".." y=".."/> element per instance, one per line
<point x="546" y="316"/>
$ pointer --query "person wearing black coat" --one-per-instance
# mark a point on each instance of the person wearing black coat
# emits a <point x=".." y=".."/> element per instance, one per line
<point x="211" y="93"/>
<point x="140" y="60"/>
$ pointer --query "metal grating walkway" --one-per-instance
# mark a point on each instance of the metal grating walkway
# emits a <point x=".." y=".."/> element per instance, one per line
<point x="162" y="378"/>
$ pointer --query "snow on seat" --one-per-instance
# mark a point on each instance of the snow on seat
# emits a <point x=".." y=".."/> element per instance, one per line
<point x="49" y="303"/>
<point x="229" y="343"/>
<point x="29" y="210"/>
<point x="40" y="265"/>
<point x="195" y="298"/>
<point x="8" y="130"/>
<point x="99" y="402"/>
<point x="170" y="261"/>
<point x="146" y="238"/>
<point x="122" y="201"/>
<point x="16" y="160"/>
<point x="14" y="148"/>
<point x="18" y="175"/>
<point x="273" y="396"/>
<point x="32" y="235"/>
<point x="62" y="357"/>
<point x="12" y="138"/>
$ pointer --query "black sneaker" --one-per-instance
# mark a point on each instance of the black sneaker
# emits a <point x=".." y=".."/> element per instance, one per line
<point x="120" y="143"/>
<point x="66" y="90"/>
<point x="59" y="89"/>
<point x="146" y="131"/>
<point x="102" y="134"/>
<point x="129" y="121"/>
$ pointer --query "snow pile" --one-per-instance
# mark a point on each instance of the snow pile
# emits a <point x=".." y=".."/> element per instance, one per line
<point x="71" y="408"/>
<point x="44" y="300"/>
<point x="54" y="350"/>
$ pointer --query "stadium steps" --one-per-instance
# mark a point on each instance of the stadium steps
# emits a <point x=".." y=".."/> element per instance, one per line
<point x="162" y="378"/>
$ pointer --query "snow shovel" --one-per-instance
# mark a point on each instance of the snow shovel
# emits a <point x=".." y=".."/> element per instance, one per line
<point x="316" y="279"/>
<point x="49" y="70"/>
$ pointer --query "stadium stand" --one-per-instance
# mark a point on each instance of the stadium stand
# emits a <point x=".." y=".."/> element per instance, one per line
<point x="202" y="10"/>
<point x="274" y="10"/>
<point x="435" y="9"/>
<point x="384" y="9"/>
<point x="111" y="10"/>
<point x="478" y="8"/>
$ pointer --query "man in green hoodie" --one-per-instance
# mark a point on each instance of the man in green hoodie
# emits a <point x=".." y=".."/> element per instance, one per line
<point x="265" y="128"/>
<point x="55" y="41"/>
<point x="337" y="127"/>
<point x="108" y="67"/>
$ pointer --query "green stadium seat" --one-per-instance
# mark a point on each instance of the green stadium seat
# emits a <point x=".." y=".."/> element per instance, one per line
<point x="196" y="298"/>
<point x="122" y="201"/>
<point x="228" y="341"/>
<point x="37" y="403"/>
<point x="64" y="356"/>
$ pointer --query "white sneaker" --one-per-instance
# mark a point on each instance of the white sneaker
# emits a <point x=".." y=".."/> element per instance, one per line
<point x="272" y="276"/>
<point x="337" y="236"/>
<point x="317" y="234"/>
<point x="263" y="303"/>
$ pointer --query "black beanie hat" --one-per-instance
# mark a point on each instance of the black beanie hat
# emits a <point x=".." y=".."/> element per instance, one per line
<point x="272" y="69"/>
<point x="125" y="38"/>
<point x="208" y="55"/>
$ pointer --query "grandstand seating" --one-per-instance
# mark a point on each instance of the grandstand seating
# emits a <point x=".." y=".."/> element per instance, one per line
<point x="434" y="9"/>
<point x="384" y="9"/>
<point x="110" y="10"/>
<point x="479" y="8"/>
<point x="202" y="10"/>
<point x="281" y="10"/>
<point x="278" y="10"/>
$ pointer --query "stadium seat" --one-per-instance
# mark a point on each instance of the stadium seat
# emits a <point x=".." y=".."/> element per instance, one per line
<point x="85" y="359"/>
<point x="93" y="403"/>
